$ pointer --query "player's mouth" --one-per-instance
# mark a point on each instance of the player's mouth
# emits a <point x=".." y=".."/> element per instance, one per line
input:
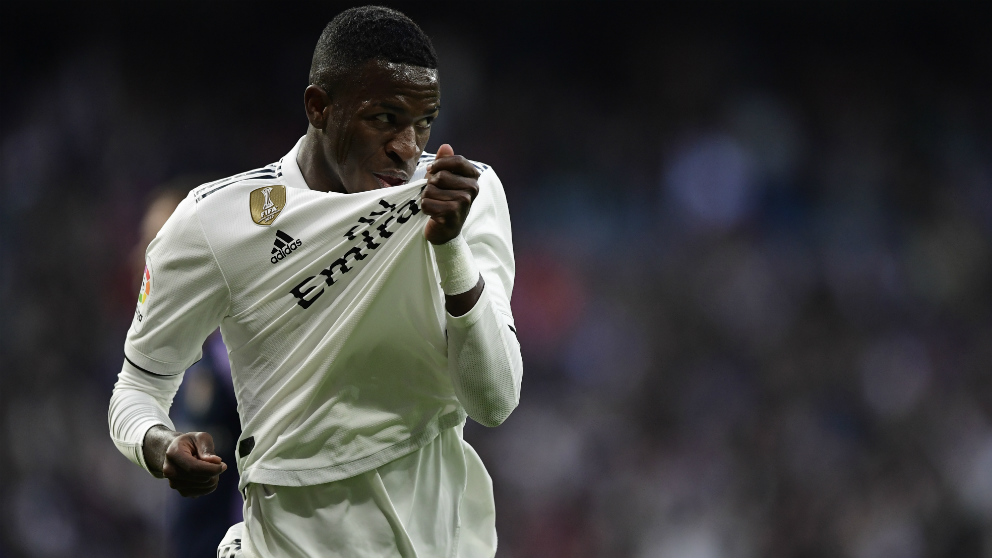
<point x="387" y="180"/>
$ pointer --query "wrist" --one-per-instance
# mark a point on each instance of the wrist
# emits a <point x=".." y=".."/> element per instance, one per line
<point x="156" y="442"/>
<point x="456" y="266"/>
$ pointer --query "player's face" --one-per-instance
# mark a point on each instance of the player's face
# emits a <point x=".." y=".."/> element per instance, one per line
<point x="380" y="124"/>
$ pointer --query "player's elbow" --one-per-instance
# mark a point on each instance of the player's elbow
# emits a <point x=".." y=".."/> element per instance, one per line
<point x="493" y="419"/>
<point x="494" y="410"/>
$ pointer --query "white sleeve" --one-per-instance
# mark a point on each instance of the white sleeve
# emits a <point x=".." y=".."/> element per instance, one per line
<point x="182" y="299"/>
<point x="483" y="351"/>
<point x="139" y="402"/>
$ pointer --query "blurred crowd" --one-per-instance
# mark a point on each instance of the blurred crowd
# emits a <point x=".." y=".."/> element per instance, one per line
<point x="754" y="263"/>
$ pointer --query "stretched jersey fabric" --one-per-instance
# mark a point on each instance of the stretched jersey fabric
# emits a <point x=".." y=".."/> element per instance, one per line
<point x="330" y="307"/>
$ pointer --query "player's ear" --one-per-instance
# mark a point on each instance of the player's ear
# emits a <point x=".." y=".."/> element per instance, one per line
<point x="317" y="103"/>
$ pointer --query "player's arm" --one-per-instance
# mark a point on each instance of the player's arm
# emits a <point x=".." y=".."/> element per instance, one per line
<point x="142" y="430"/>
<point x="183" y="298"/>
<point x="475" y="261"/>
<point x="452" y="186"/>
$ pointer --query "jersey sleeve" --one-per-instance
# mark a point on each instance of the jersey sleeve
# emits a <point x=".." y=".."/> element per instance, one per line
<point x="487" y="231"/>
<point x="182" y="299"/>
<point x="139" y="402"/>
<point x="483" y="351"/>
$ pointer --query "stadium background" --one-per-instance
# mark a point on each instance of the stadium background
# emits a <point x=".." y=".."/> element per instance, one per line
<point x="754" y="248"/>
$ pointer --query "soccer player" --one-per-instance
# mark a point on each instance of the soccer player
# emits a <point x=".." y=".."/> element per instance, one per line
<point x="362" y="288"/>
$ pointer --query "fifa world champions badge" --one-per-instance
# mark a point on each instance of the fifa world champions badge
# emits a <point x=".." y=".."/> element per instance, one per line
<point x="144" y="293"/>
<point x="266" y="203"/>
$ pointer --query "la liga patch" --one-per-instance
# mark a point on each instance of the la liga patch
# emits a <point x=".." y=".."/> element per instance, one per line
<point x="144" y="294"/>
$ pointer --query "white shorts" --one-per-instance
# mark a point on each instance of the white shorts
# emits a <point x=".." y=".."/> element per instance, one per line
<point x="230" y="545"/>
<point x="436" y="502"/>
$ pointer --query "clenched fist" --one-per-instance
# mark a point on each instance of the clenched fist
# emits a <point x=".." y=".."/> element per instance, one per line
<point x="186" y="459"/>
<point x="452" y="184"/>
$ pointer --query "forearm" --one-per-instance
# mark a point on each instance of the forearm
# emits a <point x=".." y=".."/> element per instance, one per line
<point x="484" y="362"/>
<point x="461" y="304"/>
<point x="460" y="278"/>
<point x="140" y="401"/>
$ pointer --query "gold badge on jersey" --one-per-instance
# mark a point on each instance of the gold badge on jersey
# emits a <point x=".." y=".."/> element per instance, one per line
<point x="267" y="203"/>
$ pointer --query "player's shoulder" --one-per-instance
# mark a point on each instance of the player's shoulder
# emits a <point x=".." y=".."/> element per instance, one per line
<point x="212" y="192"/>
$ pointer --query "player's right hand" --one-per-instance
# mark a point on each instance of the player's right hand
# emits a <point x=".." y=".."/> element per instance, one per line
<point x="452" y="185"/>
<point x="191" y="465"/>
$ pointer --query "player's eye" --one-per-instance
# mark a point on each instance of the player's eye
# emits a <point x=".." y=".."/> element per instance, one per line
<point x="385" y="117"/>
<point x="425" y="122"/>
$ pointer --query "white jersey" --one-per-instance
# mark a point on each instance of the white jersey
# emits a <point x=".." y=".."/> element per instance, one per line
<point x="330" y="307"/>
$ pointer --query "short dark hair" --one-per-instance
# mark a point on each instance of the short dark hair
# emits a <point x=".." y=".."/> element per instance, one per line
<point x="365" y="33"/>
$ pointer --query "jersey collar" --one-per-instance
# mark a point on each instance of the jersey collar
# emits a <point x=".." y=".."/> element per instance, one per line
<point x="291" y="172"/>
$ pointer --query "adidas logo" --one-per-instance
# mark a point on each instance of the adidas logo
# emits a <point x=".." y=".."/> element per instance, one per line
<point x="283" y="246"/>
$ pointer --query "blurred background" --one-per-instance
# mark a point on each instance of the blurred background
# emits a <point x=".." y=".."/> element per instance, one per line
<point x="754" y="263"/>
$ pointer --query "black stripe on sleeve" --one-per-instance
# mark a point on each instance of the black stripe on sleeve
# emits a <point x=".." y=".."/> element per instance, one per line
<point x="131" y="362"/>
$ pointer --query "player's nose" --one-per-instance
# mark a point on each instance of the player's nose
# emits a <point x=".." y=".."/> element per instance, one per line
<point x="403" y="145"/>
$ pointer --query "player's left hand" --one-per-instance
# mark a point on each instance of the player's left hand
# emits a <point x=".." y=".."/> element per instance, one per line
<point x="452" y="184"/>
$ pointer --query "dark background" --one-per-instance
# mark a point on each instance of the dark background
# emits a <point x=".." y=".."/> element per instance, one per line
<point x="754" y="261"/>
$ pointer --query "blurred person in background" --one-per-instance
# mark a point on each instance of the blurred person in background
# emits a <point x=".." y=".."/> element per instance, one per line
<point x="353" y="380"/>
<point x="205" y="402"/>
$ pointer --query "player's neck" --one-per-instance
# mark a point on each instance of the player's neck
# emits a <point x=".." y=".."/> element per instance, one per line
<point x="316" y="172"/>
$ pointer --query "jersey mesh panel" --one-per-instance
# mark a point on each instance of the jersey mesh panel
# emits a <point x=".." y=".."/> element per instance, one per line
<point x="485" y="386"/>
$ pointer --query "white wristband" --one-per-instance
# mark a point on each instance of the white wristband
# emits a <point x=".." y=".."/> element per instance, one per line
<point x="456" y="264"/>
